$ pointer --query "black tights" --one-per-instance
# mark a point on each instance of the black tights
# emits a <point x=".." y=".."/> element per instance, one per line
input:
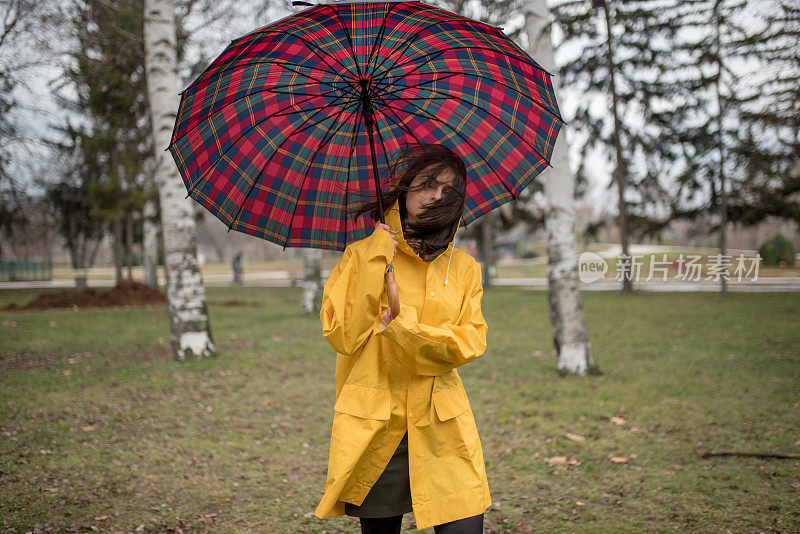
<point x="391" y="525"/>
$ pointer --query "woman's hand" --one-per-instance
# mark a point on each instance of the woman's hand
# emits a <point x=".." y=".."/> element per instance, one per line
<point x="386" y="318"/>
<point x="391" y="233"/>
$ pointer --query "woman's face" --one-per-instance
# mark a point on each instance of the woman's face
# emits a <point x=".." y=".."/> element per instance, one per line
<point x="417" y="201"/>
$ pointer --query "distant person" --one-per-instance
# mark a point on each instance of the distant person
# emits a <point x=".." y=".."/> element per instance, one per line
<point x="237" y="268"/>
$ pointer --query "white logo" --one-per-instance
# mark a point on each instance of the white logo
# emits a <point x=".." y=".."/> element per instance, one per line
<point x="591" y="267"/>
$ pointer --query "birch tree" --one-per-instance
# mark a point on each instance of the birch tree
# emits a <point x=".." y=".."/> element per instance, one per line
<point x="150" y="228"/>
<point x="312" y="281"/>
<point x="186" y="301"/>
<point x="574" y="350"/>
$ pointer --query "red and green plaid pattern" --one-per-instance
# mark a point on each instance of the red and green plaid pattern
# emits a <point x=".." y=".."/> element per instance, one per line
<point x="271" y="137"/>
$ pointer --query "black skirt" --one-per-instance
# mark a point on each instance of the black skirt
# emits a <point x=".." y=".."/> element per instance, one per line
<point x="391" y="494"/>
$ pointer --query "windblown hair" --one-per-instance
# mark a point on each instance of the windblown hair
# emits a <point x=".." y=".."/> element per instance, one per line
<point x="439" y="221"/>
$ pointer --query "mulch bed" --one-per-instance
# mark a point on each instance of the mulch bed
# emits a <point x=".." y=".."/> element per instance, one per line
<point x="126" y="293"/>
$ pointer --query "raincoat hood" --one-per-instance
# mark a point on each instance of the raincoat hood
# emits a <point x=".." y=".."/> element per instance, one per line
<point x="392" y="217"/>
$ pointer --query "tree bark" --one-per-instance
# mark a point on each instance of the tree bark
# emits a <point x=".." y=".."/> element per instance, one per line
<point x="150" y="243"/>
<point x="129" y="244"/>
<point x="312" y="281"/>
<point x="487" y="232"/>
<point x="117" y="251"/>
<point x="723" y="222"/>
<point x="571" y="339"/>
<point x="186" y="300"/>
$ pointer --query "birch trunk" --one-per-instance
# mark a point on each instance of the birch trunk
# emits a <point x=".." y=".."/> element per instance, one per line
<point x="488" y="229"/>
<point x="571" y="339"/>
<point x="312" y="281"/>
<point x="150" y="243"/>
<point x="129" y="244"/>
<point x="117" y="252"/>
<point x="186" y="300"/>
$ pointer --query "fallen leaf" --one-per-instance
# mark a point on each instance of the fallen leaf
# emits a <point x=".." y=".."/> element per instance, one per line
<point x="617" y="420"/>
<point x="618" y="459"/>
<point x="580" y="503"/>
<point x="67" y="372"/>
<point x="562" y="460"/>
<point x="52" y="324"/>
<point x="575" y="437"/>
<point x="88" y="428"/>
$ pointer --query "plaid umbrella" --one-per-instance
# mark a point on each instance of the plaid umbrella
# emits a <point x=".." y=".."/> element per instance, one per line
<point x="296" y="121"/>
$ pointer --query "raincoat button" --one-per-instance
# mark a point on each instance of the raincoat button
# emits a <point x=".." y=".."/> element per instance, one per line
<point x="432" y="293"/>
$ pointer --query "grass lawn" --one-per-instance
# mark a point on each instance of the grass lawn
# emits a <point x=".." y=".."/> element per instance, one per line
<point x="101" y="431"/>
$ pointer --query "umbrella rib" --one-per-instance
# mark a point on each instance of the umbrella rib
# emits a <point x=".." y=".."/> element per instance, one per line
<point x="466" y="140"/>
<point x="251" y="63"/>
<point x="349" y="39"/>
<point x="339" y="99"/>
<point x="245" y="132"/>
<point x="441" y="51"/>
<point x="347" y="179"/>
<point x="325" y="138"/>
<point x="450" y="75"/>
<point x="489" y="113"/>
<point x="429" y="57"/>
<point x="267" y="162"/>
<point x="400" y="122"/>
<point x="409" y="43"/>
<point x="233" y="143"/>
<point x="313" y="49"/>
<point x="379" y="38"/>
<point x="266" y="90"/>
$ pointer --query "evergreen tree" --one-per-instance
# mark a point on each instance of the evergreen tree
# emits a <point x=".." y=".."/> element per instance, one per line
<point x="707" y="144"/>
<point x="619" y="46"/>
<point x="771" y="142"/>
<point x="107" y="75"/>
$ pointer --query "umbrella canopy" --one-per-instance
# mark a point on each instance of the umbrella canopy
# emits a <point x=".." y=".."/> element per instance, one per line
<point x="274" y="137"/>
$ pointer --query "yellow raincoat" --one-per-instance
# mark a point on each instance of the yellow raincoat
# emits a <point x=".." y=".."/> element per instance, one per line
<point x="404" y="377"/>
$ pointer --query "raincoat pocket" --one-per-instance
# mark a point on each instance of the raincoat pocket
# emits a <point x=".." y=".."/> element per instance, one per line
<point x="457" y="429"/>
<point x="364" y="402"/>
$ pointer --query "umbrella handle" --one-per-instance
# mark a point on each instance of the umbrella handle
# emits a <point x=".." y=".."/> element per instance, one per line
<point x="393" y="293"/>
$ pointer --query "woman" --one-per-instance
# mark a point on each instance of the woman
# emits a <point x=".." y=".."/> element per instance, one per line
<point x="404" y="437"/>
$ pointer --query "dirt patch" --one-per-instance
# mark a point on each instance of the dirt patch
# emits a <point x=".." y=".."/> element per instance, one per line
<point x="126" y="293"/>
<point x="234" y="302"/>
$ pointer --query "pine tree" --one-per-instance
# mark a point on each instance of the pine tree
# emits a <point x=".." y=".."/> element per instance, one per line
<point x="107" y="76"/>
<point x="771" y="141"/>
<point x="619" y="47"/>
<point x="707" y="138"/>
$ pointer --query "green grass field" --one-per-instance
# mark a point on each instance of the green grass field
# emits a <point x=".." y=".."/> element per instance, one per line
<point x="101" y="431"/>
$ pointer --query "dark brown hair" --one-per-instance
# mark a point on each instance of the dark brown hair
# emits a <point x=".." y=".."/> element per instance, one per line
<point x="438" y="223"/>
